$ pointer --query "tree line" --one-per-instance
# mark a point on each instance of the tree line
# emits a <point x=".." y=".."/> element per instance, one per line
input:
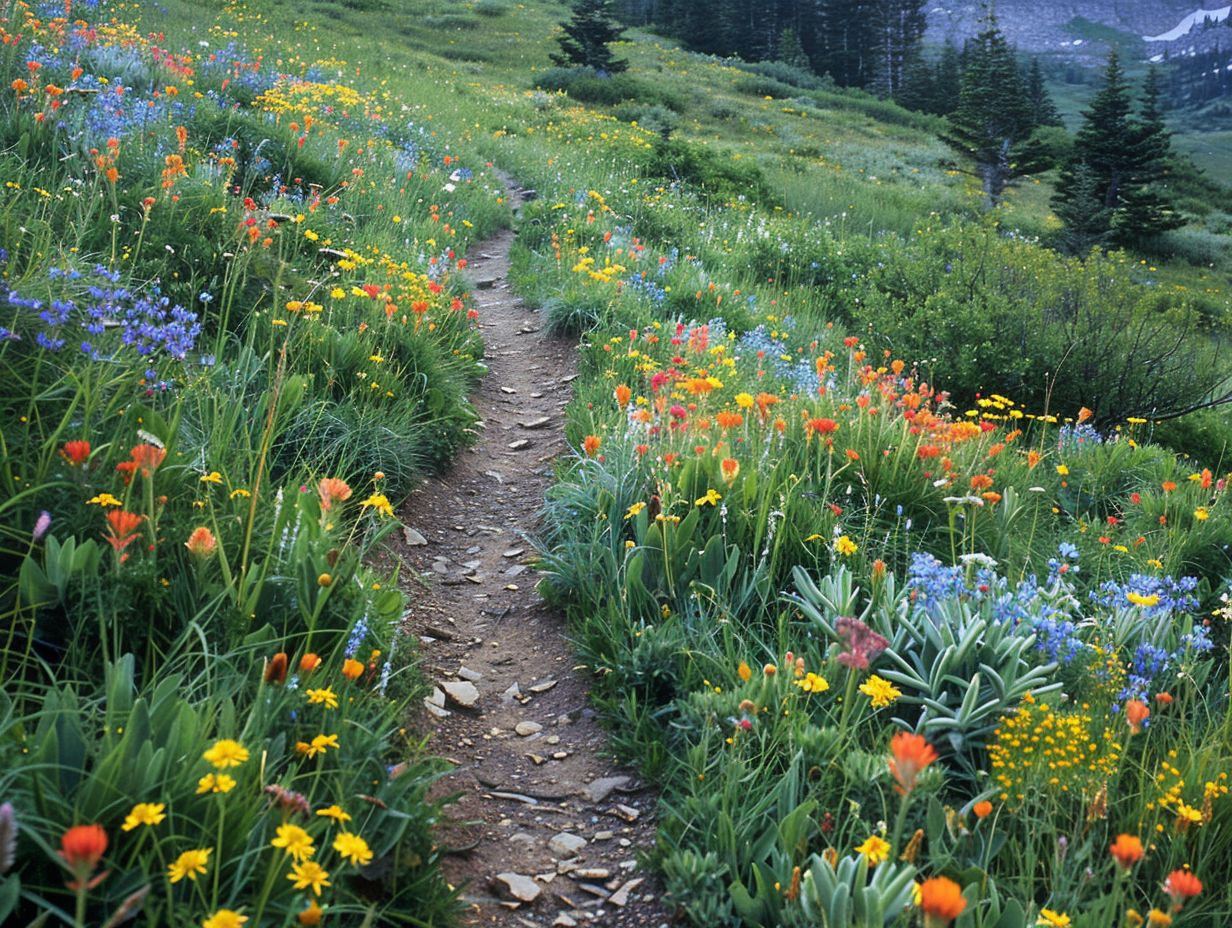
<point x="868" y="44"/>
<point x="1112" y="184"/>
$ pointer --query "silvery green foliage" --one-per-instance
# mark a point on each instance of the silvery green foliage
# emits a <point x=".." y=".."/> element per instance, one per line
<point x="958" y="667"/>
<point x="844" y="896"/>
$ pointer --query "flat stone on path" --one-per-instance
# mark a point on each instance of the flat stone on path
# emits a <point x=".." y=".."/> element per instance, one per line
<point x="412" y="537"/>
<point x="519" y="887"/>
<point x="536" y="423"/>
<point x="462" y="692"/>
<point x="566" y="844"/>
<point x="526" y="729"/>
<point x="600" y="789"/>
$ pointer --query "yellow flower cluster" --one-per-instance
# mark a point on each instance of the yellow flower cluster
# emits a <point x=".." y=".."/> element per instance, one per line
<point x="1057" y="749"/>
<point x="308" y="98"/>
<point x="1171" y="798"/>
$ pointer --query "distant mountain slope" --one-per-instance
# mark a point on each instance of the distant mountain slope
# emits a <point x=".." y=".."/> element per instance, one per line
<point x="1083" y="28"/>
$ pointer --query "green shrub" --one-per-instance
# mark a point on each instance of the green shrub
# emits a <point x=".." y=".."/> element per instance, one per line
<point x="588" y="86"/>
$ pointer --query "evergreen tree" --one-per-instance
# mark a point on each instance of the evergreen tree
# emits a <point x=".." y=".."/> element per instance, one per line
<point x="1043" y="111"/>
<point x="1127" y="157"/>
<point x="1106" y="140"/>
<point x="846" y="41"/>
<point x="791" y="51"/>
<point x="918" y="91"/>
<point x="1085" y="219"/>
<point x="587" y="35"/>
<point x="1145" y="210"/>
<point x="947" y="80"/>
<point x="898" y="35"/>
<point x="992" y="121"/>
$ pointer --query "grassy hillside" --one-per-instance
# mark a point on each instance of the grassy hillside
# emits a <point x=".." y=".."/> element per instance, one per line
<point x="884" y="581"/>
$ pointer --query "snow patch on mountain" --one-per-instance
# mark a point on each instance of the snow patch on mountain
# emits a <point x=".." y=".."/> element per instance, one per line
<point x="1193" y="19"/>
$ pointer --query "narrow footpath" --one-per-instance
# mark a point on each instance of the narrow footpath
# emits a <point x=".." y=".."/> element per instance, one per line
<point x="547" y="829"/>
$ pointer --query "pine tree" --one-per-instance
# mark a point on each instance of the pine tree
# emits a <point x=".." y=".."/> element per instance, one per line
<point x="947" y="80"/>
<point x="897" y="36"/>
<point x="790" y="50"/>
<point x="1085" y="219"/>
<point x="1144" y="210"/>
<point x="992" y="122"/>
<point x="1106" y="139"/>
<point x="1043" y="111"/>
<point x="587" y="35"/>
<point x="1127" y="157"/>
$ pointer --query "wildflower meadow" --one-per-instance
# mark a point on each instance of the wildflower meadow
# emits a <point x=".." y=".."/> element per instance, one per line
<point x="894" y="581"/>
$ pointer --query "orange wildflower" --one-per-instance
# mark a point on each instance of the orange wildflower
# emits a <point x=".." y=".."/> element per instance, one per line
<point x="123" y="528"/>
<point x="76" y="452"/>
<point x="623" y="394"/>
<point x="941" y="901"/>
<point x="309" y="662"/>
<point x="590" y="444"/>
<point x="331" y="489"/>
<point x="1136" y="712"/>
<point x="911" y="754"/>
<point x="201" y="543"/>
<point x="352" y="669"/>
<point x="730" y="468"/>
<point x="982" y="809"/>
<point x="83" y="846"/>
<point x="1181" y="885"/>
<point x="1126" y="850"/>
<point x="147" y="458"/>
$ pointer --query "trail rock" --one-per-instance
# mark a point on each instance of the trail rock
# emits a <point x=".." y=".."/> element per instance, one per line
<point x="600" y="789"/>
<point x="566" y="844"/>
<point x="462" y="692"/>
<point x="526" y="729"/>
<point x="519" y="887"/>
<point x="621" y="896"/>
<point x="412" y="537"/>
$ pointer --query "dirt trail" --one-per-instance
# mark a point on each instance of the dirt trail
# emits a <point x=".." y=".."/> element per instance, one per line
<point x="539" y="803"/>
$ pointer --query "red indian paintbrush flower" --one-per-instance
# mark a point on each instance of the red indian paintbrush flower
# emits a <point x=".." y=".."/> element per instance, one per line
<point x="123" y="528"/>
<point x="941" y="901"/>
<point x="1181" y="885"/>
<point x="201" y="543"/>
<point x="1136" y="713"/>
<point x="76" y="452"/>
<point x="82" y="847"/>
<point x="332" y="489"/>
<point x="1126" y="850"/>
<point x="911" y="754"/>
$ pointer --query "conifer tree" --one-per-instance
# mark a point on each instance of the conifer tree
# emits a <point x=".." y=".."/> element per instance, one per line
<point x="947" y="80"/>
<point x="1126" y="156"/>
<point x="587" y="35"/>
<point x="791" y="51"/>
<point x="1145" y="210"/>
<point x="992" y="121"/>
<point x="1086" y="220"/>
<point x="1043" y="111"/>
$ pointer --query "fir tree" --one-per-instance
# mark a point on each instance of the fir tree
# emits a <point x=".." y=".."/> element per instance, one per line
<point x="791" y="51"/>
<point x="1086" y="221"/>
<point x="992" y="121"/>
<point x="587" y="35"/>
<point x="1145" y="210"/>
<point x="1127" y="157"/>
<point x="1043" y="111"/>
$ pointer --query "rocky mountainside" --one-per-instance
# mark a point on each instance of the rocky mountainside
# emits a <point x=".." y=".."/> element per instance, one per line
<point x="1085" y="29"/>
